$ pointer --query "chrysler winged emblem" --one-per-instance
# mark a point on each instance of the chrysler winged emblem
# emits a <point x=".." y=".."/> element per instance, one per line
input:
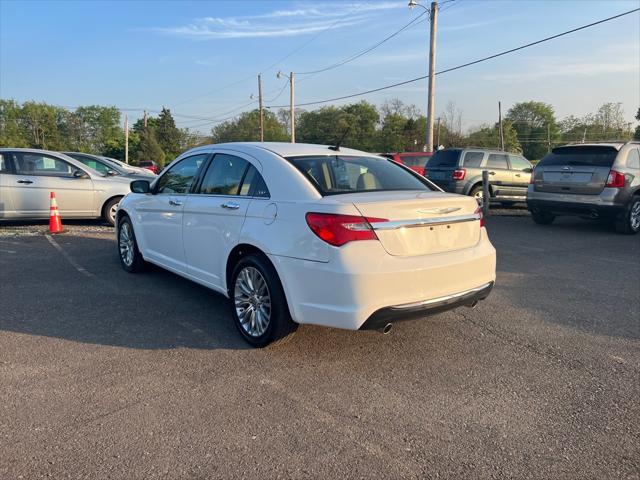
<point x="440" y="211"/>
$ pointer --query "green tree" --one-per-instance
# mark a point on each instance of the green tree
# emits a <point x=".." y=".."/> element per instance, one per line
<point x="636" y="135"/>
<point x="148" y="147"/>
<point x="246" y="128"/>
<point x="12" y="132"/>
<point x="534" y="123"/>
<point x="489" y="137"/>
<point x="42" y="125"/>
<point x="168" y="135"/>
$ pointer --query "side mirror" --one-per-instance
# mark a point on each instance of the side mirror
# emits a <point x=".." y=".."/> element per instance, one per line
<point x="140" y="186"/>
<point x="80" y="174"/>
<point x="111" y="173"/>
<point x="527" y="170"/>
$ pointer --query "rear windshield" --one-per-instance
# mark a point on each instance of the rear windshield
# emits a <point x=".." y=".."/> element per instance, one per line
<point x="336" y="174"/>
<point x="591" y="156"/>
<point x="444" y="158"/>
<point x="414" y="160"/>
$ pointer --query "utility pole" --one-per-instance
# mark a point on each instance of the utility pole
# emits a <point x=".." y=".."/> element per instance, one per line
<point x="584" y="135"/>
<point x="433" y="13"/>
<point x="548" y="138"/>
<point x="438" y="136"/>
<point x="500" y="122"/>
<point x="145" y="119"/>
<point x="126" y="138"/>
<point x="261" y="108"/>
<point x="292" y="84"/>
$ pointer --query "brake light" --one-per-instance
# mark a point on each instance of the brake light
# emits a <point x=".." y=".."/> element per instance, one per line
<point x="615" y="179"/>
<point x="479" y="212"/>
<point x="338" y="229"/>
<point x="459" y="174"/>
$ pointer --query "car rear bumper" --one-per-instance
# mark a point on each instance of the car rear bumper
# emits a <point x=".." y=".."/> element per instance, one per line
<point x="363" y="279"/>
<point x="603" y="205"/>
<point x="413" y="310"/>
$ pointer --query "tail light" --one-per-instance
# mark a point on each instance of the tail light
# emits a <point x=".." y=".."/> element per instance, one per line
<point x="479" y="212"/>
<point x="459" y="174"/>
<point x="615" y="179"/>
<point x="338" y="229"/>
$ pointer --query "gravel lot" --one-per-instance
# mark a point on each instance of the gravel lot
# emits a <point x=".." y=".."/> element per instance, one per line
<point x="104" y="374"/>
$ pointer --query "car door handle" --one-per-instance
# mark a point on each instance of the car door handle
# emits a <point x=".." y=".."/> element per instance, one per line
<point x="518" y="175"/>
<point x="25" y="181"/>
<point x="176" y="203"/>
<point x="492" y="173"/>
<point x="231" y="205"/>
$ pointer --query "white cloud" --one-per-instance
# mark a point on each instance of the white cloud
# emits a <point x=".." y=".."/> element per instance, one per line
<point x="280" y="23"/>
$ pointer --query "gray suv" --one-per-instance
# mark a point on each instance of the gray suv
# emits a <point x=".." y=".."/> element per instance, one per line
<point x="459" y="170"/>
<point x="589" y="180"/>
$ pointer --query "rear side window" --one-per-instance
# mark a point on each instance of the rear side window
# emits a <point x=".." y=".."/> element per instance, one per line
<point x="633" y="159"/>
<point x="497" y="160"/>
<point x="4" y="163"/>
<point x="444" y="158"/>
<point x="473" y="159"/>
<point x="224" y="175"/>
<point x="253" y="184"/>
<point x="593" y="156"/>
<point x="333" y="175"/>
<point x="414" y="160"/>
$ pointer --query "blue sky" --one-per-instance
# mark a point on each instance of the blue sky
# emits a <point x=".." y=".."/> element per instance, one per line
<point x="146" y="54"/>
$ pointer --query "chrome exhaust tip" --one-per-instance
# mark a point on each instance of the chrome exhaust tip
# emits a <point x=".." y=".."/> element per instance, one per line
<point x="386" y="329"/>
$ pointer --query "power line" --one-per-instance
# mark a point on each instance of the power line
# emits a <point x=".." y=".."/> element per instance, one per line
<point x="484" y="59"/>
<point x="365" y="51"/>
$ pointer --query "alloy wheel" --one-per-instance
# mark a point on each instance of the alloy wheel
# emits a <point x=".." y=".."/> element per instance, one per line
<point x="252" y="301"/>
<point x="127" y="245"/>
<point x="112" y="212"/>
<point x="634" y="216"/>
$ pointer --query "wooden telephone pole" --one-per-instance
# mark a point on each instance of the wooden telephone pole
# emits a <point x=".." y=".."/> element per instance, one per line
<point x="261" y="108"/>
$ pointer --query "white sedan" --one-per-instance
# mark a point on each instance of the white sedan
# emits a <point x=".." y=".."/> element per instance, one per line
<point x="296" y="234"/>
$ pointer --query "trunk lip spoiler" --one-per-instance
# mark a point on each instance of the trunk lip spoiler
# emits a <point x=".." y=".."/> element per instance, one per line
<point x="421" y="222"/>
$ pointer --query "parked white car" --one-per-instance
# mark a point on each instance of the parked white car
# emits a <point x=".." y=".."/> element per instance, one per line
<point x="28" y="176"/>
<point x="296" y="234"/>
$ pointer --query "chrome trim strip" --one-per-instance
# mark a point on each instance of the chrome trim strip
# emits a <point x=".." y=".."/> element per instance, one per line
<point x="440" y="299"/>
<point x="420" y="222"/>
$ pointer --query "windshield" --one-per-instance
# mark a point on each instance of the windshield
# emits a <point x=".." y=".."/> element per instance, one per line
<point x="598" y="156"/>
<point x="337" y="174"/>
<point x="444" y="158"/>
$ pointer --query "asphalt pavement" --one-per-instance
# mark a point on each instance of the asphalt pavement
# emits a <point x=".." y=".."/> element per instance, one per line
<point x="105" y="374"/>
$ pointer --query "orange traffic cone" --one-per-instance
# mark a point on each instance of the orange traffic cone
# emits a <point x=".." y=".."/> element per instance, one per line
<point x="55" y="224"/>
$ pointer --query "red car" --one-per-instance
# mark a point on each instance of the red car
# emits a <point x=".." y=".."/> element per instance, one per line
<point x="149" y="165"/>
<point x="414" y="160"/>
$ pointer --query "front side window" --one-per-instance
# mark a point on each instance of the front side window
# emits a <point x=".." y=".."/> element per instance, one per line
<point x="178" y="179"/>
<point x="497" y="160"/>
<point x="518" y="163"/>
<point x="473" y="159"/>
<point x="333" y="175"/>
<point x="38" y="164"/>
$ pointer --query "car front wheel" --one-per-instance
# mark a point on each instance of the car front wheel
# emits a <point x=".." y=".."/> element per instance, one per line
<point x="259" y="306"/>
<point x="629" y="221"/>
<point x="130" y="256"/>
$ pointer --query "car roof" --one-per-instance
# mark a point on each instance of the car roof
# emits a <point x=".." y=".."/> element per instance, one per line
<point x="285" y="149"/>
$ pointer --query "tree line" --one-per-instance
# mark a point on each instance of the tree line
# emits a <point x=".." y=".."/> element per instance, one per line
<point x="531" y="128"/>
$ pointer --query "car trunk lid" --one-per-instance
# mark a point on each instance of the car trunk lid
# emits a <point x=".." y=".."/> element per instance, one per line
<point x="580" y="170"/>
<point x="421" y="223"/>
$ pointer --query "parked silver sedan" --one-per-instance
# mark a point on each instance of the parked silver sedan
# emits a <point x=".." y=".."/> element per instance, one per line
<point x="28" y="176"/>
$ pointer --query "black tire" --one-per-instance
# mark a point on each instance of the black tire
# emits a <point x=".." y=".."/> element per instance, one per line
<point x="542" y="218"/>
<point x="475" y="191"/>
<point x="628" y="222"/>
<point x="108" y="210"/>
<point x="280" y="326"/>
<point x="135" y="263"/>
